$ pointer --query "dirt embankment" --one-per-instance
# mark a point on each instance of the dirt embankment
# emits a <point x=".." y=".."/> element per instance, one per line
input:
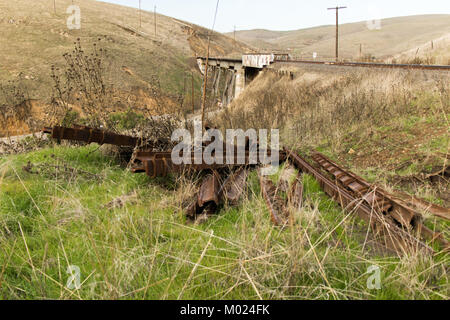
<point x="219" y="46"/>
<point x="21" y="118"/>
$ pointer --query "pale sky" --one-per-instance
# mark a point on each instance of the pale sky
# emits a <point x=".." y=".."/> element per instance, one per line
<point x="285" y="14"/>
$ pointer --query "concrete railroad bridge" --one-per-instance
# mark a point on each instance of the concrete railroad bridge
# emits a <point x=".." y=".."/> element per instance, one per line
<point x="237" y="73"/>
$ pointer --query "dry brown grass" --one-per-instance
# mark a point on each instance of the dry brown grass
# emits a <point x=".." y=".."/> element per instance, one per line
<point x="321" y="108"/>
<point x="396" y="35"/>
<point x="384" y="125"/>
<point x="432" y="52"/>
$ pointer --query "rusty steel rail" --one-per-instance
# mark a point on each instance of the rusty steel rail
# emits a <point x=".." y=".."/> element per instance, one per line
<point x="277" y="207"/>
<point x="393" y="235"/>
<point x="90" y="135"/>
<point x="214" y="192"/>
<point x="372" y="195"/>
<point x="378" y="198"/>
<point x="295" y="195"/>
<point x="160" y="164"/>
<point x="234" y="186"/>
<point x="420" y="204"/>
<point x="371" y="65"/>
<point x="208" y="199"/>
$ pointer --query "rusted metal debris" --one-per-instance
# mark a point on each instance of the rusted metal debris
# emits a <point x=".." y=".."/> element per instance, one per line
<point x="160" y="164"/>
<point x="276" y="205"/>
<point x="378" y="199"/>
<point x="234" y="186"/>
<point x="154" y="164"/>
<point x="90" y="135"/>
<point x="393" y="236"/>
<point x="372" y="195"/>
<point x="296" y="193"/>
<point x="391" y="218"/>
<point x="280" y="209"/>
<point x="214" y="192"/>
<point x="208" y="199"/>
<point x="424" y="205"/>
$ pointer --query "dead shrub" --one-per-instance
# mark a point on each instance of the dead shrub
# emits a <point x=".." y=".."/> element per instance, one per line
<point x="15" y="106"/>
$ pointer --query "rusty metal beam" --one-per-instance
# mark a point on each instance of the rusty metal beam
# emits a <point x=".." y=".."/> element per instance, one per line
<point x="208" y="199"/>
<point x="234" y="186"/>
<point x="379" y="199"/>
<point x="90" y="135"/>
<point x="394" y="236"/>
<point x="160" y="164"/>
<point x="277" y="207"/>
<point x="296" y="193"/>
<point x="372" y="195"/>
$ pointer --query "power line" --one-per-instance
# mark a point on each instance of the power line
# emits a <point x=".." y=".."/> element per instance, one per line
<point x="154" y="13"/>
<point x="140" y="14"/>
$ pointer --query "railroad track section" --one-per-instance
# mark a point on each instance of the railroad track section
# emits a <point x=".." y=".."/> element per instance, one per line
<point x="388" y="231"/>
<point x="397" y="224"/>
<point x="90" y="135"/>
<point x="399" y="211"/>
<point x="370" y="65"/>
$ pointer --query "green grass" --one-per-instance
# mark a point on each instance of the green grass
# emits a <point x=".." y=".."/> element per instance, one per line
<point x="147" y="250"/>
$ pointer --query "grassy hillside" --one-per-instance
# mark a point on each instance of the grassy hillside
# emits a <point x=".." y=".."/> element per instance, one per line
<point x="435" y="52"/>
<point x="395" y="36"/>
<point x="34" y="38"/>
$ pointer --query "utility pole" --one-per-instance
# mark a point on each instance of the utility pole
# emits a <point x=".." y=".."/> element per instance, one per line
<point x="234" y="37"/>
<point x="205" y="85"/>
<point x="154" y="13"/>
<point x="54" y="6"/>
<point x="192" y="93"/>
<point x="337" y="29"/>
<point x="205" y="79"/>
<point x="140" y="15"/>
<point x="360" y="49"/>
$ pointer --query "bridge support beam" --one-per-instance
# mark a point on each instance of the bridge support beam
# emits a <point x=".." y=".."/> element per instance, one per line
<point x="239" y="82"/>
<point x="240" y="74"/>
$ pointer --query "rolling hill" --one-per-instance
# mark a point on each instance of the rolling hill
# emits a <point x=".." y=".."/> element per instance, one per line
<point x="35" y="36"/>
<point x="137" y="63"/>
<point x="395" y="36"/>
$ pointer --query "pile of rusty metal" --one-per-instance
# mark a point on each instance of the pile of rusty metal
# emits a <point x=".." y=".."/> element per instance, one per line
<point x="222" y="183"/>
<point x="396" y="223"/>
